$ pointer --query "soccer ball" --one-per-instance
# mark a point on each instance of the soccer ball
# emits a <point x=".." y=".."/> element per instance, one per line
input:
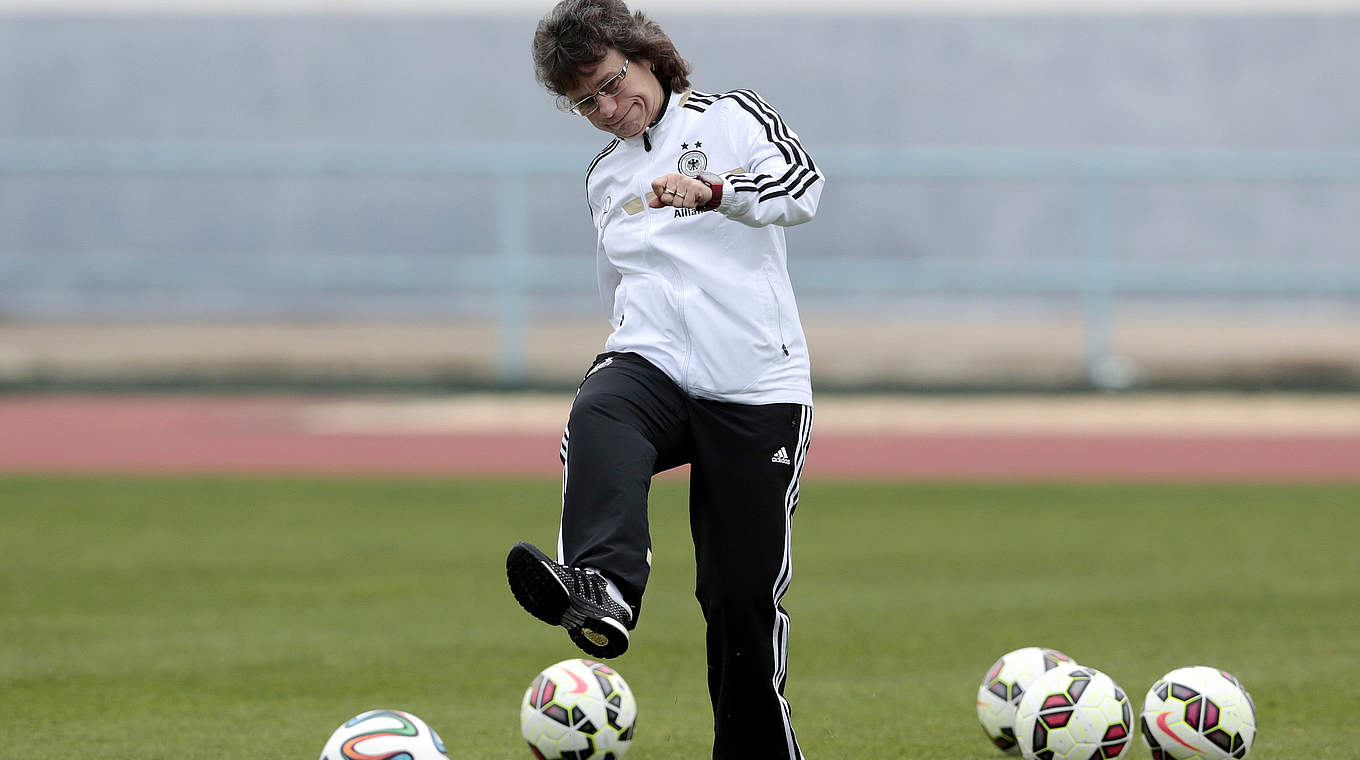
<point x="1003" y="686"/>
<point x="384" y="735"/>
<point x="578" y="709"/>
<point x="1198" y="713"/>
<point x="1073" y="713"/>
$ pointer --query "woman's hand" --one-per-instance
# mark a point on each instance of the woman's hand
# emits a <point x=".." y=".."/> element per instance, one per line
<point x="679" y="191"/>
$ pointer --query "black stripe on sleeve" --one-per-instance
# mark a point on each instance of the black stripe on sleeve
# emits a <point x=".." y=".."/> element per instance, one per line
<point x="784" y="130"/>
<point x="776" y="130"/>
<point x="753" y="182"/>
<point x="795" y="176"/>
<point x="793" y="190"/>
<point x="699" y="101"/>
<point x="607" y="150"/>
<point x="807" y="183"/>
<point x="769" y="130"/>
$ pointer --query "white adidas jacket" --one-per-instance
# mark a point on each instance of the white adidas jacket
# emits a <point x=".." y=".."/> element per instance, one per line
<point x="705" y="296"/>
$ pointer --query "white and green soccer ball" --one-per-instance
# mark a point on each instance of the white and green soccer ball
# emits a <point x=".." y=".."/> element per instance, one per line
<point x="1198" y="713"/>
<point x="578" y="710"/>
<point x="1074" y="713"/>
<point x="384" y="734"/>
<point x="1005" y="684"/>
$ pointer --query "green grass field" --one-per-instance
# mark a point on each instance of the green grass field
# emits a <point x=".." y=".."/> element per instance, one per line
<point x="187" y="618"/>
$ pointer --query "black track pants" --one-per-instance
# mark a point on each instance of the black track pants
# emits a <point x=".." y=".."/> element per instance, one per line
<point x="630" y="421"/>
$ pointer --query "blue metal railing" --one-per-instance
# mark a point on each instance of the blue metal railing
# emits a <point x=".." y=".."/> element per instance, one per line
<point x="514" y="270"/>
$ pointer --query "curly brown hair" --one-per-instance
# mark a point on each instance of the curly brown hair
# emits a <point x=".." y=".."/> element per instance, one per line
<point x="578" y="33"/>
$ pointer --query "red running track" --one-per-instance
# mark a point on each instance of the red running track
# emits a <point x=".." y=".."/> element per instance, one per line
<point x="251" y="434"/>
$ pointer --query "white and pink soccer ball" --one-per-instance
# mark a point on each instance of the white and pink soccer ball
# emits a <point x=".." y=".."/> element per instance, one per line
<point x="1004" y="685"/>
<point x="1198" y="713"/>
<point x="1074" y="713"/>
<point x="578" y="709"/>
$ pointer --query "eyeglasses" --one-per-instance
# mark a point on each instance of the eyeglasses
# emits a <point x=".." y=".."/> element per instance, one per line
<point x="590" y="103"/>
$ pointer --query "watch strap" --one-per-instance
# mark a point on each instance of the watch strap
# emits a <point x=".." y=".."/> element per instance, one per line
<point x="715" y="184"/>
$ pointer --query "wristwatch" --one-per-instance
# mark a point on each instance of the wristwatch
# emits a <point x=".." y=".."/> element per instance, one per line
<point x="715" y="183"/>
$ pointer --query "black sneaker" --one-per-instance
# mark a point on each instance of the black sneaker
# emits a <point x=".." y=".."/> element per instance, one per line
<point x="570" y="597"/>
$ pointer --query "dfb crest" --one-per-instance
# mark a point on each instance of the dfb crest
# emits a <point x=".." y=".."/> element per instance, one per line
<point x="692" y="161"/>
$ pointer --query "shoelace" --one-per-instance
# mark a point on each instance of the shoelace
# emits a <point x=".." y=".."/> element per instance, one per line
<point x="594" y="588"/>
<point x="591" y="587"/>
<point x="584" y="584"/>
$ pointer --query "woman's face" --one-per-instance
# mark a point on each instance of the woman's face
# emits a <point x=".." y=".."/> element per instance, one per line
<point x="637" y="94"/>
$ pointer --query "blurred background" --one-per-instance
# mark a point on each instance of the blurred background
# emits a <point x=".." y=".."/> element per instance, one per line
<point x="1022" y="195"/>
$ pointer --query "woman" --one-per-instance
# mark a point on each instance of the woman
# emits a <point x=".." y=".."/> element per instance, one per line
<point x="706" y="365"/>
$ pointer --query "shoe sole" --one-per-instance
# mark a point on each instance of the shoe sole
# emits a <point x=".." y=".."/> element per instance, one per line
<point x="541" y="593"/>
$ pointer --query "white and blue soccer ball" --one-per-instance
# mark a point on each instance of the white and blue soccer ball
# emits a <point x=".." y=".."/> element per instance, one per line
<point x="1198" y="713"/>
<point x="384" y="735"/>
<point x="1074" y="713"/>
<point x="1003" y="686"/>
<point x="578" y="710"/>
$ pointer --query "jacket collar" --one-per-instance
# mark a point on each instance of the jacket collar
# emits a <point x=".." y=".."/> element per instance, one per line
<point x="666" y="106"/>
